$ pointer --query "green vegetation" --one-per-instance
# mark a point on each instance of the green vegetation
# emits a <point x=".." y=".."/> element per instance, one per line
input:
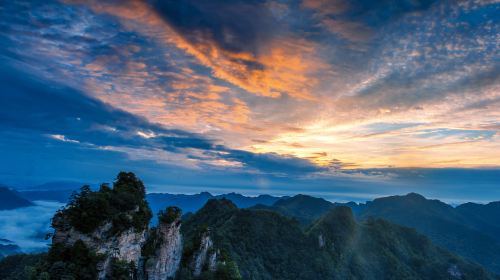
<point x="69" y="262"/>
<point x="304" y="208"/>
<point x="122" y="270"/>
<point x="169" y="215"/>
<point x="153" y="242"/>
<point x="471" y="231"/>
<point x="22" y="267"/>
<point x="263" y="244"/>
<point x="124" y="206"/>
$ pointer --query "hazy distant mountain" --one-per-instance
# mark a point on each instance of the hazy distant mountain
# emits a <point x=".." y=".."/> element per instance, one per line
<point x="483" y="217"/>
<point x="8" y="248"/>
<point x="305" y="208"/>
<point x="158" y="201"/>
<point x="187" y="202"/>
<point x="10" y="199"/>
<point x="47" y="195"/>
<point x="51" y="191"/>
<point x="193" y="202"/>
<point x="56" y="186"/>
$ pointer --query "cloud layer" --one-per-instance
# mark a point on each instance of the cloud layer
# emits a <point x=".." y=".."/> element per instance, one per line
<point x="298" y="89"/>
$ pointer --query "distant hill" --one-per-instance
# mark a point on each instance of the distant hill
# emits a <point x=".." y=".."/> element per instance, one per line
<point x="10" y="199"/>
<point x="59" y="186"/>
<point x="159" y="201"/>
<point x="483" y="217"/>
<point x="59" y="191"/>
<point x="8" y="248"/>
<point x="193" y="202"/>
<point x="470" y="230"/>
<point x="47" y="195"/>
<point x="305" y="208"/>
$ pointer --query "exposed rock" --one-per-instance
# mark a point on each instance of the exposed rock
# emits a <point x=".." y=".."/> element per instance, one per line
<point x="125" y="246"/>
<point x="201" y="256"/>
<point x="454" y="272"/>
<point x="168" y="257"/>
<point x="321" y="241"/>
<point x="212" y="262"/>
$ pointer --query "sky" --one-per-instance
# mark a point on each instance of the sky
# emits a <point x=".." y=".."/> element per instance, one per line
<point x="345" y="99"/>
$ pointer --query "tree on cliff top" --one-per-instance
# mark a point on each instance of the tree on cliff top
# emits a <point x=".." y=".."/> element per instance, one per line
<point x="124" y="206"/>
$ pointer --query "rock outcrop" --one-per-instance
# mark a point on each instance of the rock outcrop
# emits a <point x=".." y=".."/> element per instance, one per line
<point x="125" y="246"/>
<point x="168" y="256"/>
<point x="204" y="254"/>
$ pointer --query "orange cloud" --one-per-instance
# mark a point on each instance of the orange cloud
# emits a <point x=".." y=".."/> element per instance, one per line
<point x="287" y="66"/>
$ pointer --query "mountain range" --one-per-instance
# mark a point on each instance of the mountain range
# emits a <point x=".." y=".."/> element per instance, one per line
<point x="108" y="234"/>
<point x="470" y="230"/>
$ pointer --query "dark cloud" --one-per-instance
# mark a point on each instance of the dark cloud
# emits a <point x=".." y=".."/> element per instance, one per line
<point x="359" y="21"/>
<point x="236" y="26"/>
<point x="377" y="13"/>
<point x="273" y="163"/>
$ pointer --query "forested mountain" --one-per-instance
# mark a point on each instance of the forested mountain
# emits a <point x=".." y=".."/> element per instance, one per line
<point x="193" y="202"/>
<point x="263" y="244"/>
<point x="470" y="230"/>
<point x="305" y="208"/>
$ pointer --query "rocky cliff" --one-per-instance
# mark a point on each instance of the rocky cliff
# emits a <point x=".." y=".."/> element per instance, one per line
<point x="129" y="246"/>
<point x="166" y="260"/>
<point x="124" y="246"/>
<point x="205" y="256"/>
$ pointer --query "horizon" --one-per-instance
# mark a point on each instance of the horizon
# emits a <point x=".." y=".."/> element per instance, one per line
<point x="357" y="198"/>
<point x="338" y="99"/>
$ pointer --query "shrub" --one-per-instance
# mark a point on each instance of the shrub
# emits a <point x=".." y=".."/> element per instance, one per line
<point x="169" y="215"/>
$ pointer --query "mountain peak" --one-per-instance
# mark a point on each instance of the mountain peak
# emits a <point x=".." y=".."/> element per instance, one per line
<point x="218" y="205"/>
<point x="10" y="199"/>
<point x="414" y="195"/>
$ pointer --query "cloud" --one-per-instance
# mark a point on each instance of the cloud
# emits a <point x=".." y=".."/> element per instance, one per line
<point x="73" y="119"/>
<point x="202" y="79"/>
<point x="232" y="26"/>
<point x="359" y="20"/>
<point x="244" y="52"/>
<point x="27" y="226"/>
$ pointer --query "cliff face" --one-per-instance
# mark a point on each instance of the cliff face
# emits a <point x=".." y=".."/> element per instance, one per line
<point x="204" y="256"/>
<point x="168" y="256"/>
<point x="125" y="246"/>
<point x="160" y="263"/>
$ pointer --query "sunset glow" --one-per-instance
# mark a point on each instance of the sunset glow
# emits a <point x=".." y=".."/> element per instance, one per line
<point x="323" y="86"/>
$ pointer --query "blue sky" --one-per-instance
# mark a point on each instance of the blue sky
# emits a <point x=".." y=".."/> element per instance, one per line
<point x="342" y="99"/>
